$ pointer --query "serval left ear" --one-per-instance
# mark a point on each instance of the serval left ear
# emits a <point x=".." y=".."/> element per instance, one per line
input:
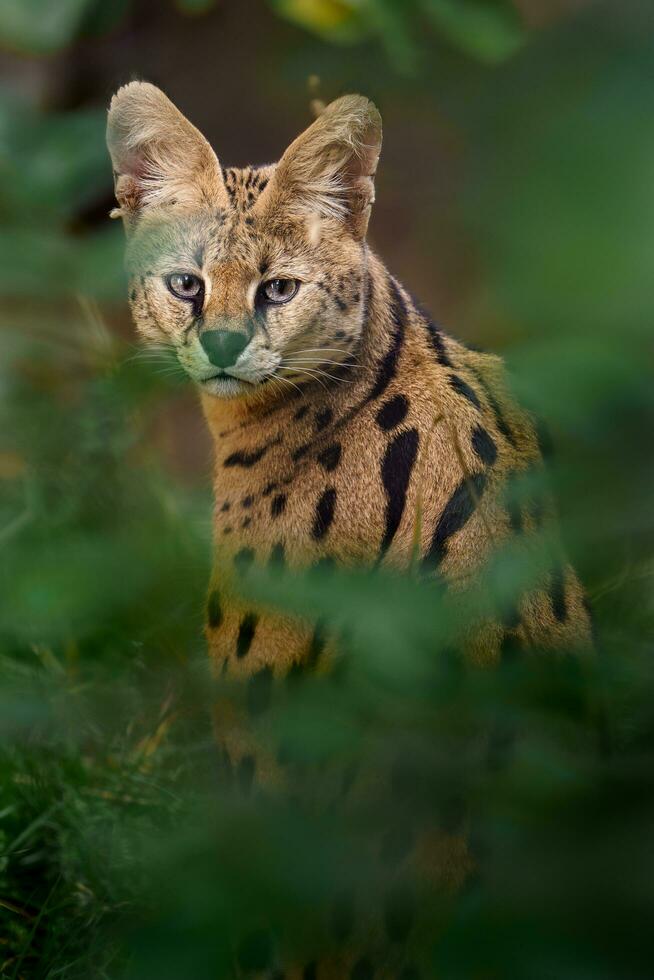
<point x="329" y="170"/>
<point x="158" y="156"/>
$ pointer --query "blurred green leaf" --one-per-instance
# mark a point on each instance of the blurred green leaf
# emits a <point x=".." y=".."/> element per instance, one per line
<point x="40" y="26"/>
<point x="337" y="20"/>
<point x="101" y="17"/>
<point x="195" y="6"/>
<point x="491" y="30"/>
<point x="53" y="165"/>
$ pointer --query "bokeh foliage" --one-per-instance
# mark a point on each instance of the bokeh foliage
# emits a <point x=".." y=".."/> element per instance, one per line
<point x="123" y="850"/>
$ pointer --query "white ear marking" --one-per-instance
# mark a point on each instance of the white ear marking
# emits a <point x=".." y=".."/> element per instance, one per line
<point x="314" y="229"/>
<point x="158" y="156"/>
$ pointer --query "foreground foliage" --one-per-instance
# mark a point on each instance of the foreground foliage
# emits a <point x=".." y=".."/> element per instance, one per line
<point x="123" y="850"/>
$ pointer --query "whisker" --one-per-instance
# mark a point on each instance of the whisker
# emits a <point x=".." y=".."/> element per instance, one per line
<point x="317" y="371"/>
<point x="150" y="354"/>
<point x="316" y="374"/>
<point x="278" y="378"/>
<point x="313" y="350"/>
<point x="321" y="362"/>
<point x="315" y="377"/>
<point x="347" y="359"/>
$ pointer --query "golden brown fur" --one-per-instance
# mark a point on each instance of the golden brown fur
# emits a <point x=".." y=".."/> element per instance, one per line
<point x="352" y="430"/>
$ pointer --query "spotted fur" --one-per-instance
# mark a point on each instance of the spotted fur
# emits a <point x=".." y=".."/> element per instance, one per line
<point x="349" y="414"/>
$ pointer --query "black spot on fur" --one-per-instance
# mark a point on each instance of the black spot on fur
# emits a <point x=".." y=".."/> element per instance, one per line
<point x="247" y="501"/>
<point x="392" y="413"/>
<point x="246" y="522"/>
<point x="537" y="510"/>
<point x="247" y="458"/>
<point x="277" y="556"/>
<point x="301" y="451"/>
<point x="388" y="366"/>
<point x="557" y="594"/>
<point x="132" y="295"/>
<point x="484" y="446"/>
<point x="278" y="505"/>
<point x="544" y="437"/>
<point x="511" y="615"/>
<point x="259" y="691"/>
<point x="463" y="388"/>
<point x="301" y="412"/>
<point x="437" y="343"/>
<point x="225" y="507"/>
<point x="317" y="644"/>
<point x="500" y="421"/>
<point x="456" y="514"/>
<point x="246" y="633"/>
<point x="268" y="489"/>
<point x="324" y="513"/>
<point x="324" y="565"/>
<point x="214" y="610"/>
<point x="323" y="419"/>
<point x="330" y="457"/>
<point x="243" y="560"/>
<point x="396" y="469"/>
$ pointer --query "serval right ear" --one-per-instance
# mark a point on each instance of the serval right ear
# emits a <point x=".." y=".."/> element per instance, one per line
<point x="329" y="170"/>
<point x="158" y="156"/>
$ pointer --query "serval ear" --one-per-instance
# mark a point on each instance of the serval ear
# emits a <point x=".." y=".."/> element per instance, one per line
<point x="158" y="156"/>
<point x="329" y="170"/>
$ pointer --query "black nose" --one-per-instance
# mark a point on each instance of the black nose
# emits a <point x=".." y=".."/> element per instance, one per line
<point x="222" y="347"/>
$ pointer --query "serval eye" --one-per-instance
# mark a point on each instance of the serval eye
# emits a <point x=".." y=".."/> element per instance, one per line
<point x="279" y="290"/>
<point x="185" y="285"/>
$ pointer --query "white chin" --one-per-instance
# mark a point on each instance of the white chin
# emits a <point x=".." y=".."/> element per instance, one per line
<point x="225" y="387"/>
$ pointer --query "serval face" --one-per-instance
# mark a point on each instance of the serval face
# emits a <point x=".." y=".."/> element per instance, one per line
<point x="253" y="277"/>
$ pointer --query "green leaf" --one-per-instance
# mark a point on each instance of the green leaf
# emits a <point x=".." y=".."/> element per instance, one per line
<point x="491" y="30"/>
<point x="195" y="6"/>
<point x="51" y="165"/>
<point x="335" y="20"/>
<point x="40" y="26"/>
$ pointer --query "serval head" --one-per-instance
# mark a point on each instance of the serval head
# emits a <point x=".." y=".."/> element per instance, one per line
<point x="254" y="277"/>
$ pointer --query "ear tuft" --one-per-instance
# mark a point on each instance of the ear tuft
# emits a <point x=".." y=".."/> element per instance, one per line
<point x="158" y="156"/>
<point x="329" y="170"/>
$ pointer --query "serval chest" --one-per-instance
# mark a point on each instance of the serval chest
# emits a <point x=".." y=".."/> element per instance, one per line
<point x="299" y="483"/>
